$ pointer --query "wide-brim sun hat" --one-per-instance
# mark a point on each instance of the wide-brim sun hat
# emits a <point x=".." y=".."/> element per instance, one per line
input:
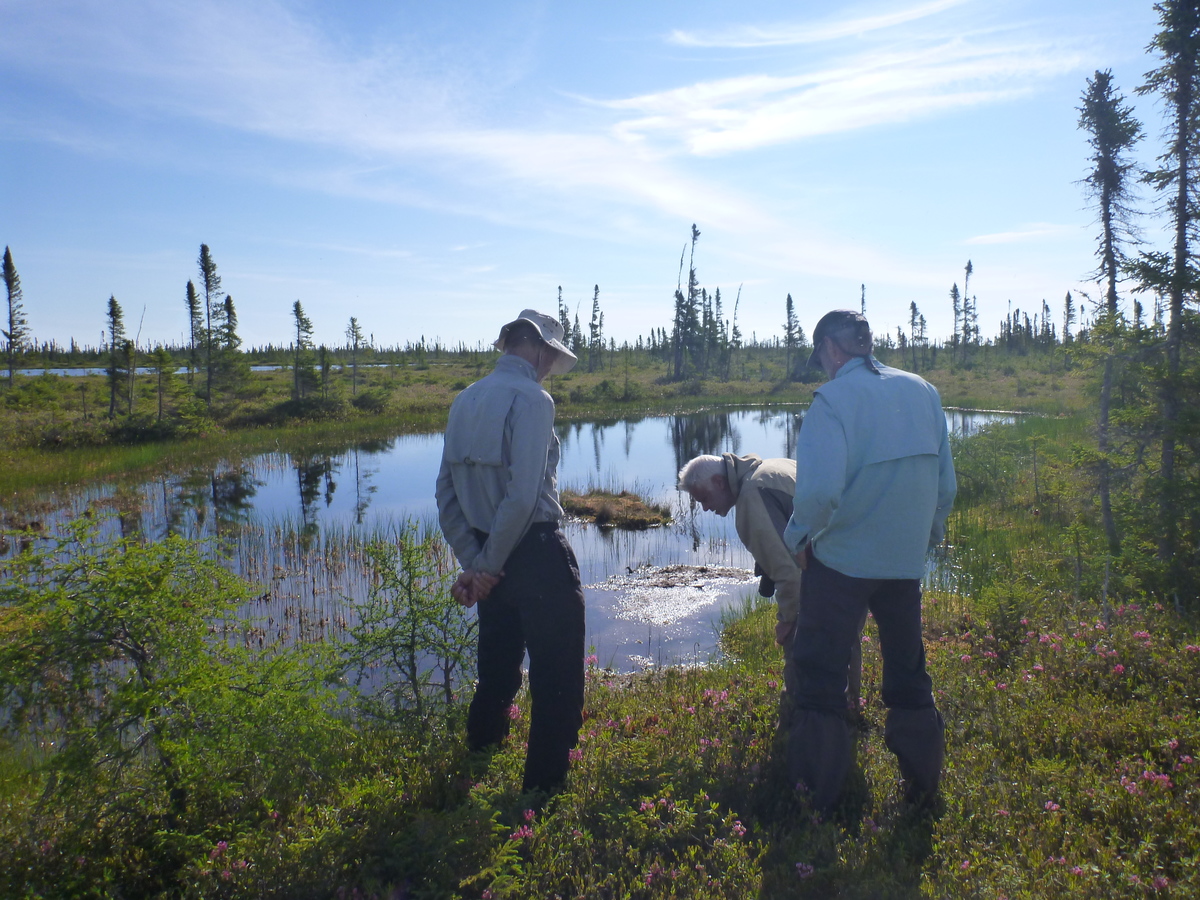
<point x="833" y="323"/>
<point x="551" y="332"/>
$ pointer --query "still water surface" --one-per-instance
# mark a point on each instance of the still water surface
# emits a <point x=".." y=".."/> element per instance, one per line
<point x="293" y="516"/>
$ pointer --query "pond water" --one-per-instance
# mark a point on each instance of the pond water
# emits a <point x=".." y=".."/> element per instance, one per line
<point x="296" y="521"/>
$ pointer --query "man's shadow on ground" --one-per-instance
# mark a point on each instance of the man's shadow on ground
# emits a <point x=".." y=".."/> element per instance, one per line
<point x="872" y="846"/>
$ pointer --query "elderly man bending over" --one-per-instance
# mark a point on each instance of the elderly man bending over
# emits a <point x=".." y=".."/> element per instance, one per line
<point x="763" y="492"/>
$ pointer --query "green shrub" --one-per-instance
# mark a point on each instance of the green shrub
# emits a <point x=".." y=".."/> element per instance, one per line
<point x="154" y="726"/>
<point x="412" y="643"/>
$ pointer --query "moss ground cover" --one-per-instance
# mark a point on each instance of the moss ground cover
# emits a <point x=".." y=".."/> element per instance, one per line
<point x="1072" y="769"/>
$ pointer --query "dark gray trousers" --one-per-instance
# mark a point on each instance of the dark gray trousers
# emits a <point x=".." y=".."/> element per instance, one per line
<point x="820" y="739"/>
<point x="537" y="606"/>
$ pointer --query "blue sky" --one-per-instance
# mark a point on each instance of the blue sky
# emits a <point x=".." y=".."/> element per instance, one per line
<point x="433" y="168"/>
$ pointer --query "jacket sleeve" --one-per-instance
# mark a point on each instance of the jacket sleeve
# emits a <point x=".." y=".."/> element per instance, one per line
<point x="821" y="462"/>
<point x="766" y="545"/>
<point x="453" y="521"/>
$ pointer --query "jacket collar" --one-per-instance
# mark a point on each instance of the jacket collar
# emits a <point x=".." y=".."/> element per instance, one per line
<point x="738" y="468"/>
<point x="511" y="364"/>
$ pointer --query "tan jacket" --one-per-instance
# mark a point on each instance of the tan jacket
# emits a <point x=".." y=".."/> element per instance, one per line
<point x="762" y="491"/>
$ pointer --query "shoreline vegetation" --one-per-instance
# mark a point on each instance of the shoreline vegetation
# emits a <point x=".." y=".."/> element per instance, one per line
<point x="1072" y="766"/>
<point x="54" y="433"/>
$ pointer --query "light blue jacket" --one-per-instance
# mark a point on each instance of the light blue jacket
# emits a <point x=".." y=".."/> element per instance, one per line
<point x="874" y="477"/>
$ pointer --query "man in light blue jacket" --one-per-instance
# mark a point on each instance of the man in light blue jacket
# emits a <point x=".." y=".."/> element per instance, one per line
<point x="875" y="482"/>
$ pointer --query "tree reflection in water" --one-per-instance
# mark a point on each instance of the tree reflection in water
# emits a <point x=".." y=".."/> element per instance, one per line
<point x="697" y="434"/>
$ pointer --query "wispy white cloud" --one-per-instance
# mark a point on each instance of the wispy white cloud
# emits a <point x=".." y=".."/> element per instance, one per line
<point x="744" y="113"/>
<point x="792" y="34"/>
<point x="259" y="70"/>
<point x="1032" y="232"/>
<point x="392" y="124"/>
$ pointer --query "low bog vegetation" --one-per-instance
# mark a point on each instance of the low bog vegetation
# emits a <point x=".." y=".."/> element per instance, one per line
<point x="149" y="752"/>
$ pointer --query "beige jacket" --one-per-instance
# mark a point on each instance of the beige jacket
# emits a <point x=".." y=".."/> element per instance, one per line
<point x="762" y="491"/>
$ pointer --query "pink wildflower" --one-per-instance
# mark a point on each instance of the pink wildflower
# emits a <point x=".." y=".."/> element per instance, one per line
<point x="966" y="657"/>
<point x="514" y="712"/>
<point x="1119" y="669"/>
<point x="1051" y="806"/>
<point x="576" y="754"/>
<point x="521" y="833"/>
<point x="1002" y="812"/>
<point x="1130" y="786"/>
<point x="529" y="815"/>
<point x="591" y="660"/>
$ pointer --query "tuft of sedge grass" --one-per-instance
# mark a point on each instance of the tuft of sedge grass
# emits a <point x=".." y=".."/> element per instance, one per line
<point x="620" y="509"/>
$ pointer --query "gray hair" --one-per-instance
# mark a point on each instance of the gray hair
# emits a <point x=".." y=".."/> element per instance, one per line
<point x="699" y="470"/>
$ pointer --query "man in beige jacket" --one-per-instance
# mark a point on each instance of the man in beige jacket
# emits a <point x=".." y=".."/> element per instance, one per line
<point x="762" y="492"/>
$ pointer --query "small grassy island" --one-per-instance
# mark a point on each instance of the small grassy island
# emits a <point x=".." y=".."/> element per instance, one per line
<point x="623" y="510"/>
